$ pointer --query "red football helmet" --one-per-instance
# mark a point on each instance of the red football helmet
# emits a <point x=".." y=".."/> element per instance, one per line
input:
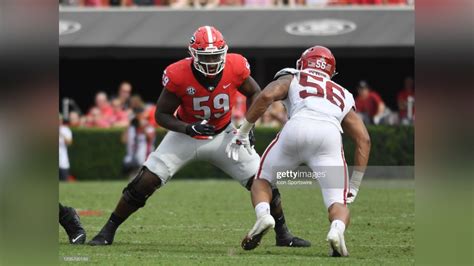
<point x="208" y="49"/>
<point x="318" y="58"/>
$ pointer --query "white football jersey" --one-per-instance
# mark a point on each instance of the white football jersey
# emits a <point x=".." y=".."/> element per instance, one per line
<point x="316" y="97"/>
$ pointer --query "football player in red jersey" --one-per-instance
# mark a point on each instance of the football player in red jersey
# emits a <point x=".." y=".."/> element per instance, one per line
<point x="195" y="106"/>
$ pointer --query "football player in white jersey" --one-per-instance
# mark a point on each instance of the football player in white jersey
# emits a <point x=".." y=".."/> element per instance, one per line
<point x="319" y="111"/>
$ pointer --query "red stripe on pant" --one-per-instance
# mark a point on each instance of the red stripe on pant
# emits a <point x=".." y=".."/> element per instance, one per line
<point x="265" y="155"/>
<point x="345" y="175"/>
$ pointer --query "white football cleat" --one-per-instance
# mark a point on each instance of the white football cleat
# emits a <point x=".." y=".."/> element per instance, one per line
<point x="261" y="227"/>
<point x="337" y="243"/>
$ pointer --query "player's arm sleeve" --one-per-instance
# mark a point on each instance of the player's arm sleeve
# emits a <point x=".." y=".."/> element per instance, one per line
<point x="350" y="104"/>
<point x="168" y="82"/>
<point x="242" y="69"/>
<point x="285" y="71"/>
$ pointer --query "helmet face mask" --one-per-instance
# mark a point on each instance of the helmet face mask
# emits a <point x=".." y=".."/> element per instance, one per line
<point x="209" y="62"/>
<point x="208" y="50"/>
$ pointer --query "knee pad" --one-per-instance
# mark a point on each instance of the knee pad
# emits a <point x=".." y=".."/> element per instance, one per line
<point x="276" y="199"/>
<point x="141" y="188"/>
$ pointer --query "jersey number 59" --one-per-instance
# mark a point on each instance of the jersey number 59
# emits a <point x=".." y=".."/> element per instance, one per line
<point x="307" y="80"/>
<point x="220" y="106"/>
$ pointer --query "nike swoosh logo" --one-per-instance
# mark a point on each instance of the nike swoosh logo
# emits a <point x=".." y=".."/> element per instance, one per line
<point x="225" y="86"/>
<point x="75" y="239"/>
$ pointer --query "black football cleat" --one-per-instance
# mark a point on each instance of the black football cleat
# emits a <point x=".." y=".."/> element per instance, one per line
<point x="292" y="241"/>
<point x="249" y="243"/>
<point x="104" y="237"/>
<point x="101" y="240"/>
<point x="72" y="225"/>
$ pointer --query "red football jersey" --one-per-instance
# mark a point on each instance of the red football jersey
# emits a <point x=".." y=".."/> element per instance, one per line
<point x="199" y="103"/>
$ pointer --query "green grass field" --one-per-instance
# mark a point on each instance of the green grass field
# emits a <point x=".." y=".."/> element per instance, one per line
<point x="202" y="222"/>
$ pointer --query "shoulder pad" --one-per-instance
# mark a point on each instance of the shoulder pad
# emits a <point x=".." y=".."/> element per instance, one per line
<point x="286" y="71"/>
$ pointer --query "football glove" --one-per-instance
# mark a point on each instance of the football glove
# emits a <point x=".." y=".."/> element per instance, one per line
<point x="200" y="129"/>
<point x="241" y="139"/>
<point x="354" y="184"/>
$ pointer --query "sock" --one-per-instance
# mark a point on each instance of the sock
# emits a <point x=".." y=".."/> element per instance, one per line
<point x="262" y="209"/>
<point x="114" y="222"/>
<point x="338" y="225"/>
<point x="279" y="221"/>
<point x="281" y="229"/>
<point x="123" y="210"/>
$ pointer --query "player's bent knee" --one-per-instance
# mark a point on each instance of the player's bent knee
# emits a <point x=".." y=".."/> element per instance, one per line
<point x="264" y="181"/>
<point x="141" y="188"/>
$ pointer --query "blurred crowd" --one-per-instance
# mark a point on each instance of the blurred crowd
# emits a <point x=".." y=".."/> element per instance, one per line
<point x="227" y="3"/>
<point x="119" y="110"/>
<point x="126" y="109"/>
<point x="373" y="110"/>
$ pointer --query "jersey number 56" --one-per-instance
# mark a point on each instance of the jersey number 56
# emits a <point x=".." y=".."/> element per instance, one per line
<point x="307" y="80"/>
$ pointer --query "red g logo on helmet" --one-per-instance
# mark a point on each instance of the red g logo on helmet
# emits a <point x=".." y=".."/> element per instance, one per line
<point x="319" y="59"/>
<point x="208" y="50"/>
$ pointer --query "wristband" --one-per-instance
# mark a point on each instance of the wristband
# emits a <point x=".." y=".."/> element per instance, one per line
<point x="245" y="127"/>
<point x="356" y="178"/>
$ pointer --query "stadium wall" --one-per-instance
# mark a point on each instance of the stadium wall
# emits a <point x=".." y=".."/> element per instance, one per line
<point x="97" y="154"/>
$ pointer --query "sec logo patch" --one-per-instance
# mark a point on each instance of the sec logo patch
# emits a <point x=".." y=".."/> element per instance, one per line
<point x="190" y="91"/>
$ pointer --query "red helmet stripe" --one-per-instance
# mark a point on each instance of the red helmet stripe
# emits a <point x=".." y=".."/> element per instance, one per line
<point x="209" y="36"/>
